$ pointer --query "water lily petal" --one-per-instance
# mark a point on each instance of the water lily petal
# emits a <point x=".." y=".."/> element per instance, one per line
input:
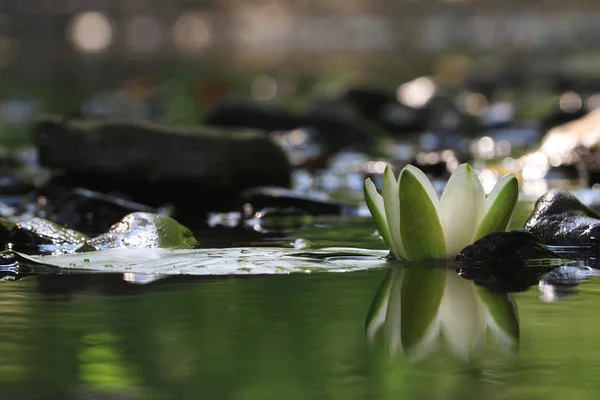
<point x="377" y="209"/>
<point x="499" y="206"/>
<point x="462" y="206"/>
<point x="377" y="313"/>
<point x="420" y="227"/>
<point x="426" y="183"/>
<point x="502" y="317"/>
<point x="392" y="211"/>
<point x="392" y="332"/>
<point x="422" y="293"/>
<point x="464" y="320"/>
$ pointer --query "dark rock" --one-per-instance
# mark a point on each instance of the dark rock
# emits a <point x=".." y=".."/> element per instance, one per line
<point x="11" y="184"/>
<point x="6" y="228"/>
<point x="256" y="199"/>
<point x="559" y="218"/>
<point x="506" y="261"/>
<point x="93" y="212"/>
<point x="504" y="277"/>
<point x="335" y="131"/>
<point x="249" y="114"/>
<point x="501" y="247"/>
<point x="145" y="230"/>
<point x="383" y="109"/>
<point x="155" y="164"/>
<point x="39" y="235"/>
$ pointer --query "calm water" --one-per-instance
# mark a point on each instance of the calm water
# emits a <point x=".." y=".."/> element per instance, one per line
<point x="299" y="336"/>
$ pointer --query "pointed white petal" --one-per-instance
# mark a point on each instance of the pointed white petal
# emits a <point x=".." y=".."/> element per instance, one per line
<point x="462" y="206"/>
<point x="392" y="331"/>
<point x="392" y="210"/>
<point x="464" y="319"/>
<point x="422" y="292"/>
<point x="420" y="226"/>
<point x="499" y="206"/>
<point x="377" y="209"/>
<point x="377" y="313"/>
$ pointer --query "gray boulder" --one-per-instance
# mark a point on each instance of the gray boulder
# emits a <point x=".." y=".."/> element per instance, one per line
<point x="146" y="230"/>
<point x="559" y="218"/>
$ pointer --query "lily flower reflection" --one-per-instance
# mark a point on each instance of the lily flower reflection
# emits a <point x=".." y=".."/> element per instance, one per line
<point x="415" y="307"/>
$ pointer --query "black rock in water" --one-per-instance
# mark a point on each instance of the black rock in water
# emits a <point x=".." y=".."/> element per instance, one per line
<point x="499" y="247"/>
<point x="256" y="199"/>
<point x="6" y="228"/>
<point x="559" y="218"/>
<point x="155" y="164"/>
<point x="383" y="109"/>
<point x="12" y="184"/>
<point x="93" y="212"/>
<point x="506" y="261"/>
<point x="505" y="277"/>
<point x="145" y="230"/>
<point x="39" y="236"/>
<point x="334" y="131"/>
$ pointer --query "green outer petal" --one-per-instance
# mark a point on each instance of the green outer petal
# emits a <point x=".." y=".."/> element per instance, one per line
<point x="377" y="209"/>
<point x="422" y="293"/>
<point x="421" y="229"/>
<point x="391" y="202"/>
<point x="462" y="205"/>
<point x="426" y="183"/>
<point x="502" y="310"/>
<point x="377" y="312"/>
<point x="499" y="206"/>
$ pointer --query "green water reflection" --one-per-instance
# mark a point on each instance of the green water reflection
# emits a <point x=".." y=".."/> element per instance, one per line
<point x="299" y="336"/>
<point x="415" y="307"/>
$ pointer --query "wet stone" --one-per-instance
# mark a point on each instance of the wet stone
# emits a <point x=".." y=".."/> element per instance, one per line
<point x="255" y="200"/>
<point x="499" y="247"/>
<point x="154" y="163"/>
<point x="145" y="230"/>
<point x="559" y="218"/>
<point x="334" y="130"/>
<point x="11" y="184"/>
<point x="93" y="212"/>
<point x="39" y="236"/>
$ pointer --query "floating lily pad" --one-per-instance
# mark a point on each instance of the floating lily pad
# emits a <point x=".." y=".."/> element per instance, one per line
<point x="232" y="261"/>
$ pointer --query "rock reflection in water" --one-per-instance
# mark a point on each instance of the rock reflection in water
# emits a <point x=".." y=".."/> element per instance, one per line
<point x="416" y="307"/>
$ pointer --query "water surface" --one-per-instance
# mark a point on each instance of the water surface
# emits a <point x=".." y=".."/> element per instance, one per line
<point x="297" y="336"/>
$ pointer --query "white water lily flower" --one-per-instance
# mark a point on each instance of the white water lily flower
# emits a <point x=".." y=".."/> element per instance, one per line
<point x="416" y="225"/>
<point x="416" y="307"/>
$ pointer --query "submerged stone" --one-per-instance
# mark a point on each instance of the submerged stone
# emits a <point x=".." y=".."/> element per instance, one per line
<point x="39" y="235"/>
<point x="147" y="230"/>
<point x="559" y="218"/>
<point x="518" y="245"/>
